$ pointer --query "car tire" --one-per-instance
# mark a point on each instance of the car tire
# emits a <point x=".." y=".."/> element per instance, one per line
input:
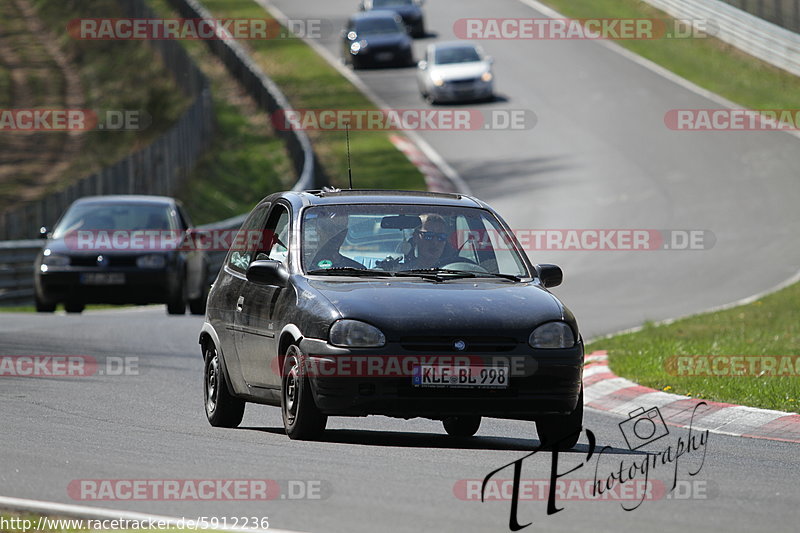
<point x="461" y="426"/>
<point x="301" y="417"/>
<point x="42" y="306"/>
<point x="74" y="307"/>
<point x="176" y="305"/>
<point x="566" y="429"/>
<point x="222" y="409"/>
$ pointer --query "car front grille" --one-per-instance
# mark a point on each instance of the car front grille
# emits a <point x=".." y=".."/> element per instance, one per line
<point x="446" y="344"/>
<point x="466" y="81"/>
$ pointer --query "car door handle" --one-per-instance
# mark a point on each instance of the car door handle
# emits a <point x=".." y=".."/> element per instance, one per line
<point x="239" y="304"/>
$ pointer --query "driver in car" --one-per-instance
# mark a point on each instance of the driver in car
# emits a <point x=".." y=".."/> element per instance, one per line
<point x="430" y="248"/>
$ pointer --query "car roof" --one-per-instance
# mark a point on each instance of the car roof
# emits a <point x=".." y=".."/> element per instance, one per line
<point x="384" y="196"/>
<point x="127" y="199"/>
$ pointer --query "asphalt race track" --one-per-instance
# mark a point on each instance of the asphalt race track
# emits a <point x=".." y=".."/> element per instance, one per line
<point x="599" y="157"/>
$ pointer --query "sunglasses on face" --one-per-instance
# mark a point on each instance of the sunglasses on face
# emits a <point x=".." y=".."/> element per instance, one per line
<point x="431" y="235"/>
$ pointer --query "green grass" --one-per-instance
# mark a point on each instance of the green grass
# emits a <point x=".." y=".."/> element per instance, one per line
<point x="709" y="62"/>
<point x="769" y="326"/>
<point x="246" y="161"/>
<point x="115" y="75"/>
<point x="309" y="82"/>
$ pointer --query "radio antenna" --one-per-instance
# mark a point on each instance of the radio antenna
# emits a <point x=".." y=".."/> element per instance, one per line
<point x="349" y="167"/>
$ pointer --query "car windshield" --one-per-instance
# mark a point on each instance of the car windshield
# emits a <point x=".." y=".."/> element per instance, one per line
<point x="404" y="238"/>
<point x="114" y="216"/>
<point x="464" y="54"/>
<point x="378" y="26"/>
<point x="391" y="3"/>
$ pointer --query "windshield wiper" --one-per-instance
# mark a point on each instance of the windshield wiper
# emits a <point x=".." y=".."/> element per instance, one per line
<point x="457" y="274"/>
<point x="350" y="271"/>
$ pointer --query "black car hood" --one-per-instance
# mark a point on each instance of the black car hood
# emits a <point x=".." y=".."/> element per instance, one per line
<point x="416" y="307"/>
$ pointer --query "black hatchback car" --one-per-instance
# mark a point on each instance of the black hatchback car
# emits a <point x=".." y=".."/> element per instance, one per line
<point x="376" y="38"/>
<point x="409" y="10"/>
<point x="122" y="249"/>
<point x="404" y="304"/>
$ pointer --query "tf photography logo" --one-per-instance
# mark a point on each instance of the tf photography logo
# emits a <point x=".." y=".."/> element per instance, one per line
<point x="643" y="427"/>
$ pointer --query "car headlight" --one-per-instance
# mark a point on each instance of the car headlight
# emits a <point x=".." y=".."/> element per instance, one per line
<point x="437" y="80"/>
<point x="151" y="261"/>
<point x="357" y="46"/>
<point x="552" y="335"/>
<point x="487" y="77"/>
<point x="51" y="259"/>
<point x="356" y="334"/>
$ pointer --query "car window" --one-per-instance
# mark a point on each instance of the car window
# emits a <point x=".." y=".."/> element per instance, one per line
<point x="378" y="26"/>
<point x="465" y="54"/>
<point x="115" y="216"/>
<point x="246" y="241"/>
<point x="276" y="242"/>
<point x="385" y="236"/>
<point x="390" y="3"/>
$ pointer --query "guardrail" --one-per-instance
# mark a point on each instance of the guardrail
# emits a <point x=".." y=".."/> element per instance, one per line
<point x="785" y="13"/>
<point x="757" y="37"/>
<point x="16" y="271"/>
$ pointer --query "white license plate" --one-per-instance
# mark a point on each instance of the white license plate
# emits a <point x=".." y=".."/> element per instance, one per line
<point x="384" y="56"/>
<point x="481" y="377"/>
<point x="103" y="278"/>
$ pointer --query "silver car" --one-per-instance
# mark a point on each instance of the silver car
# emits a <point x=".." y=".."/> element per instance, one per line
<point x="455" y="71"/>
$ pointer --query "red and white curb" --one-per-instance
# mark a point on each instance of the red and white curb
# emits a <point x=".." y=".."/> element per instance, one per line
<point x="605" y="391"/>
<point x="435" y="179"/>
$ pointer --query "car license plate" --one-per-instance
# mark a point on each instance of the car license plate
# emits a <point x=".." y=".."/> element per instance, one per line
<point x="103" y="278"/>
<point x="482" y="377"/>
<point x="384" y="56"/>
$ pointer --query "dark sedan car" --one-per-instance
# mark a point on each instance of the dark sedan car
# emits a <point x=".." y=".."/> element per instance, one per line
<point x="405" y="304"/>
<point x="409" y="10"/>
<point x="122" y="249"/>
<point x="376" y="38"/>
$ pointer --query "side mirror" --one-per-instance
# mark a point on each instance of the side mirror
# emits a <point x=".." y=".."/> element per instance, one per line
<point x="551" y="275"/>
<point x="43" y="233"/>
<point x="362" y="6"/>
<point x="419" y="2"/>
<point x="268" y="272"/>
<point x="490" y="60"/>
<point x="422" y="65"/>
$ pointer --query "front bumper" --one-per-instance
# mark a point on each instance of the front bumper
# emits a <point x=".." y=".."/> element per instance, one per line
<point x="139" y="286"/>
<point x="542" y="382"/>
<point x="458" y="93"/>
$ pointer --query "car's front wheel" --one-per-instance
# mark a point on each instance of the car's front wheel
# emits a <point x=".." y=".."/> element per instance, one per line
<point x="176" y="304"/>
<point x="43" y="306"/>
<point x="462" y="426"/>
<point x="222" y="409"/>
<point x="563" y="430"/>
<point x="301" y="416"/>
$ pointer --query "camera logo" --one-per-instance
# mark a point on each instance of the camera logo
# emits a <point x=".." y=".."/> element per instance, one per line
<point x="643" y="427"/>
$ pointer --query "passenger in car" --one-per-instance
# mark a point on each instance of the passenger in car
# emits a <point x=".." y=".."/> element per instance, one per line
<point x="332" y="231"/>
